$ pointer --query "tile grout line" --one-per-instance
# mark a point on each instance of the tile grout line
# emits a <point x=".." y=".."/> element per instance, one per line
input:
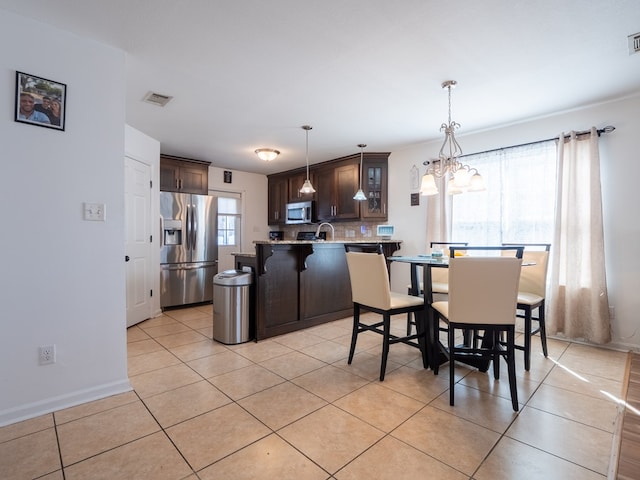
<point x="55" y="429"/>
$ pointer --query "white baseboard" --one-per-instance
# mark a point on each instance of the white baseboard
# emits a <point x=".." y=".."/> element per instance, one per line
<point x="35" y="409"/>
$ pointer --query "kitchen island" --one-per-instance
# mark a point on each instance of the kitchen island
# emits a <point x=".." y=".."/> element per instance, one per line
<point x="299" y="284"/>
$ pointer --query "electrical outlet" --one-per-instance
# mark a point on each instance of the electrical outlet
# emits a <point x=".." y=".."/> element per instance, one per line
<point x="47" y="354"/>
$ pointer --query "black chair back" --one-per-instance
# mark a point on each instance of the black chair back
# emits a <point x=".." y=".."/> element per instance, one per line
<point x="364" y="247"/>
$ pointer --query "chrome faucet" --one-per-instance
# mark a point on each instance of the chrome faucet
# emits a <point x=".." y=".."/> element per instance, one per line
<point x="333" y="232"/>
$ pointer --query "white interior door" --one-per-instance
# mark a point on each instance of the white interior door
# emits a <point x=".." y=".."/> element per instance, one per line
<point x="137" y="210"/>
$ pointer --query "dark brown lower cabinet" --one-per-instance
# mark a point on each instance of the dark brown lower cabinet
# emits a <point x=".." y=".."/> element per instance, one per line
<point x="299" y="285"/>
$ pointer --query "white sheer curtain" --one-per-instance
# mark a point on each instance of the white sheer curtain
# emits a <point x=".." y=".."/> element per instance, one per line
<point x="439" y="215"/>
<point x="577" y="301"/>
<point x="519" y="201"/>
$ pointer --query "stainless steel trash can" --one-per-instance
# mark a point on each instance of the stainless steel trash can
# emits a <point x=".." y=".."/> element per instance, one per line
<point x="231" y="306"/>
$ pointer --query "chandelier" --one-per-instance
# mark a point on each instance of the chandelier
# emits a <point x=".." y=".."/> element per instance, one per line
<point x="461" y="177"/>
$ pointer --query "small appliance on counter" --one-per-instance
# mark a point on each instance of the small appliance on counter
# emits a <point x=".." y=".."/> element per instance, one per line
<point x="311" y="236"/>
<point x="385" y="230"/>
<point x="276" y="235"/>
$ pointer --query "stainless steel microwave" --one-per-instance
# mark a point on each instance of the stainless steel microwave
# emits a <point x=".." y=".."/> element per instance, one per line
<point x="300" y="212"/>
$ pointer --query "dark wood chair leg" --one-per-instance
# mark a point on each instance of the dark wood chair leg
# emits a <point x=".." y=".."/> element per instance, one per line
<point x="421" y="332"/>
<point x="354" y="331"/>
<point x="452" y="367"/>
<point x="543" y="329"/>
<point x="511" y="367"/>
<point x="467" y="337"/>
<point x="434" y="332"/>
<point x="527" y="338"/>
<point x="495" y="335"/>
<point x="385" y="344"/>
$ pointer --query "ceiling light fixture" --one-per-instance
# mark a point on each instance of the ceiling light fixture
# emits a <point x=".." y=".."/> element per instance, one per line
<point x="360" y="194"/>
<point x="267" y="154"/>
<point x="461" y="177"/>
<point x="307" y="187"/>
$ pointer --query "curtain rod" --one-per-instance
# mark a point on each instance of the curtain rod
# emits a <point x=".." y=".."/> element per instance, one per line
<point x="600" y="131"/>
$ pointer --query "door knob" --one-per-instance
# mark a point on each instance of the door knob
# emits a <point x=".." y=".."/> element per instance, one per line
<point x="126" y="258"/>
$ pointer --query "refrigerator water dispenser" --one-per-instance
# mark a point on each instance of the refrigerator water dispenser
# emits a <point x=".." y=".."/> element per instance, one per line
<point x="172" y="234"/>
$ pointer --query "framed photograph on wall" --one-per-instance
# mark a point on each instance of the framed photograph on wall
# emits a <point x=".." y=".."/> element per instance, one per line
<point x="40" y="101"/>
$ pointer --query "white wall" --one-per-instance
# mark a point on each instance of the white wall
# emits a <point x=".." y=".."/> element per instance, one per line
<point x="62" y="277"/>
<point x="621" y="197"/>
<point x="145" y="149"/>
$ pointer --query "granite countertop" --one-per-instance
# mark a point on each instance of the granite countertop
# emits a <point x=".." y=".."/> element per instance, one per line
<point x="339" y="240"/>
<point x="243" y="254"/>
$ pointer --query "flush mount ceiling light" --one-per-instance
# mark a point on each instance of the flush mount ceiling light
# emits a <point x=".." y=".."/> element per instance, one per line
<point x="307" y="187"/>
<point x="360" y="194"/>
<point x="462" y="178"/>
<point x="267" y="154"/>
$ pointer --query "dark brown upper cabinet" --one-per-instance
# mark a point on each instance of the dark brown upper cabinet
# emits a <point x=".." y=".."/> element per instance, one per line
<point x="184" y="175"/>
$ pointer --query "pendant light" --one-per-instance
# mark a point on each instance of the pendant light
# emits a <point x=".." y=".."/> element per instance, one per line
<point x="360" y="194"/>
<point x="307" y="187"/>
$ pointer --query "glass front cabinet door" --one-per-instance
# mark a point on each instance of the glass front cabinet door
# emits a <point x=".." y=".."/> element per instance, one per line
<point x="374" y="185"/>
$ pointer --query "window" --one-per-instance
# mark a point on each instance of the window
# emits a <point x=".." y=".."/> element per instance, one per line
<point x="228" y="221"/>
<point x="519" y="203"/>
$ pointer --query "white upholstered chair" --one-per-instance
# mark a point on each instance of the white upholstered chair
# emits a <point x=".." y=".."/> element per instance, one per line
<point x="531" y="295"/>
<point x="482" y="296"/>
<point x="439" y="276"/>
<point x="371" y="291"/>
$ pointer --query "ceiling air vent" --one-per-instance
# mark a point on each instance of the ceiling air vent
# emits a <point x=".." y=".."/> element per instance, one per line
<point x="157" y="99"/>
<point x="634" y="43"/>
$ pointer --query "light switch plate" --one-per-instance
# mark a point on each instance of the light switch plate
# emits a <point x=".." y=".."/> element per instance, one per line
<point x="94" y="212"/>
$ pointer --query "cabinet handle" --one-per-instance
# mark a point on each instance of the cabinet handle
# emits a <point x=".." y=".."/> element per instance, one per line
<point x="177" y="184"/>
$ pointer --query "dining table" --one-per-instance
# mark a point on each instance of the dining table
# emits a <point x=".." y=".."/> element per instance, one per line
<point x="427" y="262"/>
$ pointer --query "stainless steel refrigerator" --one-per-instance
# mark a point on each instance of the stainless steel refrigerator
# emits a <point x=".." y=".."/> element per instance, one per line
<point x="189" y="248"/>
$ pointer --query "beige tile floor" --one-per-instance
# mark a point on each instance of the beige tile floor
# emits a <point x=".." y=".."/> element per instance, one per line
<point x="291" y="408"/>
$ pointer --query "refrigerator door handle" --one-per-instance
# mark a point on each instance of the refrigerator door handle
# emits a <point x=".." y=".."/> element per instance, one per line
<point x="188" y="226"/>
<point x="161" y="231"/>
<point x="182" y="266"/>
<point x="193" y="227"/>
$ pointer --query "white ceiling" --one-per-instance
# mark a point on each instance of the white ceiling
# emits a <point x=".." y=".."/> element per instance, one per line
<point x="247" y="74"/>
